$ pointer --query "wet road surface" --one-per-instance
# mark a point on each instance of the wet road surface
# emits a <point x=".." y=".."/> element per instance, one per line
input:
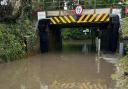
<point x="57" y="71"/>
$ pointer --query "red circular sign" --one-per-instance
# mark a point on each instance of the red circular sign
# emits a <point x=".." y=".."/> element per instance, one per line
<point x="79" y="10"/>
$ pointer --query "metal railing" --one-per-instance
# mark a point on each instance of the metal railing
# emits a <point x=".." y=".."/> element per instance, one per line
<point x="59" y="5"/>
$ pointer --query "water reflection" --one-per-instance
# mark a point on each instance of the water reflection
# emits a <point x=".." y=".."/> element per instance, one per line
<point x="79" y="46"/>
<point x="98" y="63"/>
<point x="65" y="70"/>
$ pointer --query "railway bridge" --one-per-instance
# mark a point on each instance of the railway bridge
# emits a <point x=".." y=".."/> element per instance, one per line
<point x="106" y="23"/>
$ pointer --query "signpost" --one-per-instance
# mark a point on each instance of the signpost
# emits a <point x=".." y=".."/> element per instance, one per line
<point x="65" y="6"/>
<point x="117" y="12"/>
<point x="79" y="9"/>
<point x="78" y="1"/>
<point x="41" y="15"/>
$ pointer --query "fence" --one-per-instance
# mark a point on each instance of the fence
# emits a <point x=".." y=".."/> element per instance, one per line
<point x="60" y="4"/>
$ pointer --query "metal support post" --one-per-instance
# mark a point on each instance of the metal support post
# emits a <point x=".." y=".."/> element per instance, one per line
<point x="99" y="41"/>
<point x="95" y="7"/>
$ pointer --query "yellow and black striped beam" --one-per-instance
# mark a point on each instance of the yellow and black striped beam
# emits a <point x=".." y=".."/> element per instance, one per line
<point x="87" y="18"/>
<point x="62" y="19"/>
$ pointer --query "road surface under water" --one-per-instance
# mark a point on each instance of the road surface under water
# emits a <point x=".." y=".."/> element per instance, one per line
<point x="77" y="69"/>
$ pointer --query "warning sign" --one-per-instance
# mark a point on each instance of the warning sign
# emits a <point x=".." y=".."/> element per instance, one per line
<point x="79" y="10"/>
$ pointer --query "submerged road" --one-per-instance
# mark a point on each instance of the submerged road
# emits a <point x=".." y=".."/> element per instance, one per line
<point x="57" y="71"/>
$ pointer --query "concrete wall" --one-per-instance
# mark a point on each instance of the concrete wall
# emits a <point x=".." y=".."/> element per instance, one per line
<point x="72" y="12"/>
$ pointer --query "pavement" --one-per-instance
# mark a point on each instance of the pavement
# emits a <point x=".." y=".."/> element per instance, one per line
<point x="110" y="58"/>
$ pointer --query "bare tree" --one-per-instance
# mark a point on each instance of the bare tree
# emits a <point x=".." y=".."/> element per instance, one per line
<point x="13" y="9"/>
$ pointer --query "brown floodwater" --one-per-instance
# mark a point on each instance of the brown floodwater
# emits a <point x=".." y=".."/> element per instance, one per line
<point x="77" y="69"/>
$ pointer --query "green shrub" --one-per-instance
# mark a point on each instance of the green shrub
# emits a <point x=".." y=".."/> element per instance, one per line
<point x="73" y="33"/>
<point x="126" y="49"/>
<point x="120" y="75"/>
<point x="124" y="27"/>
<point x="12" y="39"/>
<point x="11" y="46"/>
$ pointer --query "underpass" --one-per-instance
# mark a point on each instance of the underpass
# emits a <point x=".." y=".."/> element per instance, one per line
<point x="70" y="70"/>
<point x="106" y="24"/>
<point x="65" y="70"/>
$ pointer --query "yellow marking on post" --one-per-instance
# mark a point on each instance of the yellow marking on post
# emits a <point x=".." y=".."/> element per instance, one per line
<point x="85" y="20"/>
<point x="81" y="18"/>
<point x="67" y="19"/>
<point x="62" y="19"/>
<point x="98" y="17"/>
<point x="104" y="17"/>
<point x="52" y="20"/>
<point x="56" y="19"/>
<point x="73" y="20"/>
<point x="92" y="17"/>
<point x="108" y="19"/>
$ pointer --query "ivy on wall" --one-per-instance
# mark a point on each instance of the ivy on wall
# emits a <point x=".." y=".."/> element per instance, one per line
<point x="12" y="39"/>
<point x="73" y="33"/>
<point x="124" y="27"/>
<point x="121" y="75"/>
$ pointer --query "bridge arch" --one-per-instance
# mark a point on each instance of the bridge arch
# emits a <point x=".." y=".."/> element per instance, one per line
<point x="52" y="40"/>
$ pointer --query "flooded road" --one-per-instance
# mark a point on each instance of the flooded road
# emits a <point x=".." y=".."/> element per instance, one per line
<point x="64" y="70"/>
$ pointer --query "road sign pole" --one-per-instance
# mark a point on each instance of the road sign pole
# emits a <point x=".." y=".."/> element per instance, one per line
<point x="95" y="7"/>
<point x="78" y="1"/>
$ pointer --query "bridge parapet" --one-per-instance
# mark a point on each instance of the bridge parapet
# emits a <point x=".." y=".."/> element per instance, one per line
<point x="85" y="18"/>
<point x="72" y="12"/>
